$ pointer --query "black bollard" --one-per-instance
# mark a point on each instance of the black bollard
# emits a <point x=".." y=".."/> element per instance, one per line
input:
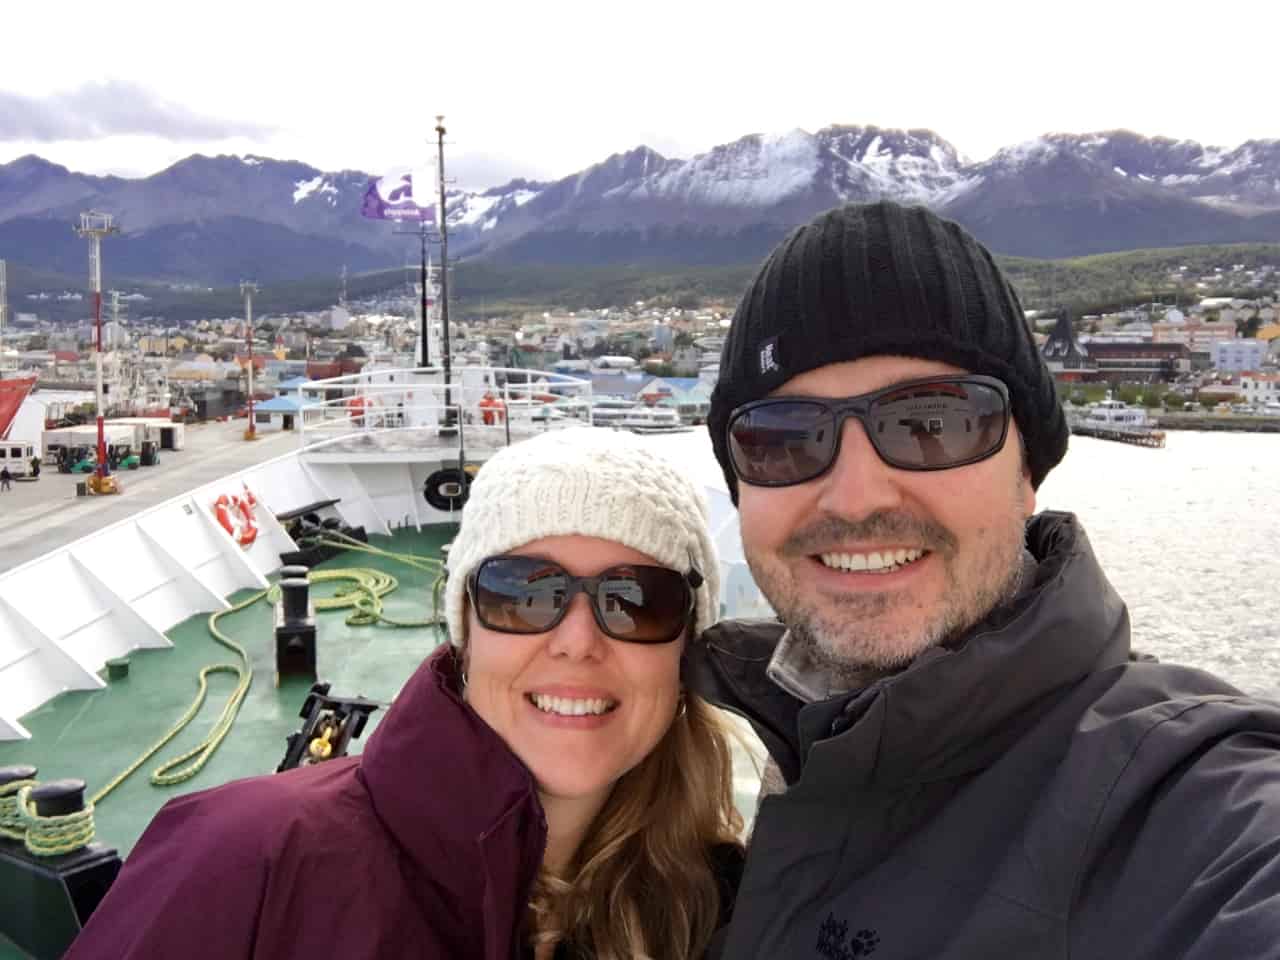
<point x="294" y="594"/>
<point x="295" y="626"/>
<point x="48" y="900"/>
<point x="17" y="772"/>
<point x="57" y="798"/>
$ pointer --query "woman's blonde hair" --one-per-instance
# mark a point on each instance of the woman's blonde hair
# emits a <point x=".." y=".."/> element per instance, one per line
<point x="642" y="884"/>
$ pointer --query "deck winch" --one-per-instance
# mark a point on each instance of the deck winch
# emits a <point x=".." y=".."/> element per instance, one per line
<point x="308" y="528"/>
<point x="331" y="723"/>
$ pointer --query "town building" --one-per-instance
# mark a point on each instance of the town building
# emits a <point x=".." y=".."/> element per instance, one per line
<point x="1260" y="388"/>
<point x="1235" y="356"/>
<point x="1198" y="336"/>
<point x="1139" y="362"/>
<point x="1066" y="359"/>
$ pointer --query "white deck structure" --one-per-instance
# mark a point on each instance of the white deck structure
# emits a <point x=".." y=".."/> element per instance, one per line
<point x="120" y="588"/>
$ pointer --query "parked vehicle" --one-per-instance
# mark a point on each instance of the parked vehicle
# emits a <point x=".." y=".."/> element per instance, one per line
<point x="17" y="457"/>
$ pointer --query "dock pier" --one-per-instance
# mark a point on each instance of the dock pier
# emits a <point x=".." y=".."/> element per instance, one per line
<point x="1137" y="436"/>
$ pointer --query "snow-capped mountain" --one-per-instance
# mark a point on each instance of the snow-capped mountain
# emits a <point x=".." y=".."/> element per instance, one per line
<point x="1066" y="195"/>
<point x="1246" y="178"/>
<point x="208" y="218"/>
<point x="727" y="205"/>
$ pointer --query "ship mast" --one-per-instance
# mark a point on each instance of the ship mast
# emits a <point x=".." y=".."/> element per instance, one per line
<point x="444" y="267"/>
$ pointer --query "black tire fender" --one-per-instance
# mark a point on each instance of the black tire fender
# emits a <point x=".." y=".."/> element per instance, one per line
<point x="447" y="489"/>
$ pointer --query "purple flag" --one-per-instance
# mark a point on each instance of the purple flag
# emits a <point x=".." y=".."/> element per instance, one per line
<point x="391" y="198"/>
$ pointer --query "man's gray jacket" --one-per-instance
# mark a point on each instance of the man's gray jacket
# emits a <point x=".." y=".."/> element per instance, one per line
<point x="1027" y="792"/>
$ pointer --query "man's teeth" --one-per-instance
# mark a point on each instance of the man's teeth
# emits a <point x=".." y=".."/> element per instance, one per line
<point x="566" y="707"/>
<point x="885" y="561"/>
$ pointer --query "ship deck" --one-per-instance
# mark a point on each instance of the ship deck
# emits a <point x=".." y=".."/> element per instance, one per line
<point x="93" y="735"/>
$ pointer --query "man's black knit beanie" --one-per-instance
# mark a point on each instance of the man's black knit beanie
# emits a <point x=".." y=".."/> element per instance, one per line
<point x="883" y="279"/>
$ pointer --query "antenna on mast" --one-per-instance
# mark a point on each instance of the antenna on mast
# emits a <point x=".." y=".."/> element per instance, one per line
<point x="4" y="298"/>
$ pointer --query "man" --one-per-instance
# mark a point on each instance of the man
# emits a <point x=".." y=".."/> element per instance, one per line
<point x="975" y="765"/>
<point x="6" y="479"/>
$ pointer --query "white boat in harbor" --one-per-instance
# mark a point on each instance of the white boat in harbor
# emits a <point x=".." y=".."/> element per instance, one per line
<point x="610" y="411"/>
<point x="1112" y="419"/>
<point x="653" y="420"/>
<point x="1116" y="413"/>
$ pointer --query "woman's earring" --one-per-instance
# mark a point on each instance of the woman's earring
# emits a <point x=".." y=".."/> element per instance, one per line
<point x="682" y="705"/>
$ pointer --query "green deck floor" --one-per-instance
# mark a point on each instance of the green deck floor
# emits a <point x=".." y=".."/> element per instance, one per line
<point x="92" y="735"/>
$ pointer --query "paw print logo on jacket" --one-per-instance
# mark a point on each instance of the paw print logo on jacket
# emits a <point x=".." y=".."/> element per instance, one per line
<point x="835" y="943"/>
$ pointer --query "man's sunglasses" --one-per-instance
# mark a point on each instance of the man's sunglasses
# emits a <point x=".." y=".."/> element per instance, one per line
<point x="929" y="424"/>
<point x="635" y="602"/>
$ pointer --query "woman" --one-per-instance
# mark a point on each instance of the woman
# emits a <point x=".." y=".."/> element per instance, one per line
<point x="541" y="788"/>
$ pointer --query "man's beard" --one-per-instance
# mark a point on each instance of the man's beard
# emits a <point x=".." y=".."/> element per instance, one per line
<point x="845" y="635"/>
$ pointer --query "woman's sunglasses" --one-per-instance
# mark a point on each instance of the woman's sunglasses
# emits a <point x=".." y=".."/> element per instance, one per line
<point x="929" y="424"/>
<point x="635" y="602"/>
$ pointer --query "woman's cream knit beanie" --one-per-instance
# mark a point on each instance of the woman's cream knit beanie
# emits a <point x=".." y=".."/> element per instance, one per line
<point x="592" y="482"/>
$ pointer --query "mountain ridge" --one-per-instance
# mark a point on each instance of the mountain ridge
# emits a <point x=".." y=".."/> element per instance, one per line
<point x="1057" y="195"/>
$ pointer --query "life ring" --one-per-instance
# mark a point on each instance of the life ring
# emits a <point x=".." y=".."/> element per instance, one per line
<point x="356" y="405"/>
<point x="235" y="515"/>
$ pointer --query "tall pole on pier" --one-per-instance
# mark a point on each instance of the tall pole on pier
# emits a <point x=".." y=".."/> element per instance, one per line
<point x="444" y="267"/>
<point x="249" y="289"/>
<point x="93" y="227"/>
<point x="4" y="298"/>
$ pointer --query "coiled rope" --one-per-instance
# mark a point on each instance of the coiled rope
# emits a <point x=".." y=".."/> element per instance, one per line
<point x="12" y="824"/>
<point x="53" y="836"/>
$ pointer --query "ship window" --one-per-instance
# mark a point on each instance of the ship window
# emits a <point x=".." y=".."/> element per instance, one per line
<point x="15" y="452"/>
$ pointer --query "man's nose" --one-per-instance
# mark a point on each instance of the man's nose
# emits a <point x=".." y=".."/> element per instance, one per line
<point x="577" y="636"/>
<point x="859" y="483"/>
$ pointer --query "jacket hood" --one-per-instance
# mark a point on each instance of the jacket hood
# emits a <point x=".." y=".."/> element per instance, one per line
<point x="432" y="762"/>
<point x="957" y="706"/>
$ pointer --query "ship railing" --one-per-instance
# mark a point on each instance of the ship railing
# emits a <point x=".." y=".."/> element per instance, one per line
<point x="494" y="405"/>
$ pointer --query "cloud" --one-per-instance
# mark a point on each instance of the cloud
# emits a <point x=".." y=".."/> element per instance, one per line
<point x="111" y="108"/>
<point x="479" y="171"/>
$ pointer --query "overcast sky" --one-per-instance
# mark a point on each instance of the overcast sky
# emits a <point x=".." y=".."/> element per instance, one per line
<point x="542" y="90"/>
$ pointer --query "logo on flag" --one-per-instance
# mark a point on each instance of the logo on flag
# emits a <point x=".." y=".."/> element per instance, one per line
<point x="391" y="198"/>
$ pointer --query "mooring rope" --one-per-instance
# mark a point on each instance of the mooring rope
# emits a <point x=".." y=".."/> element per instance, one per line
<point x="56" y="835"/>
<point x="12" y="824"/>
